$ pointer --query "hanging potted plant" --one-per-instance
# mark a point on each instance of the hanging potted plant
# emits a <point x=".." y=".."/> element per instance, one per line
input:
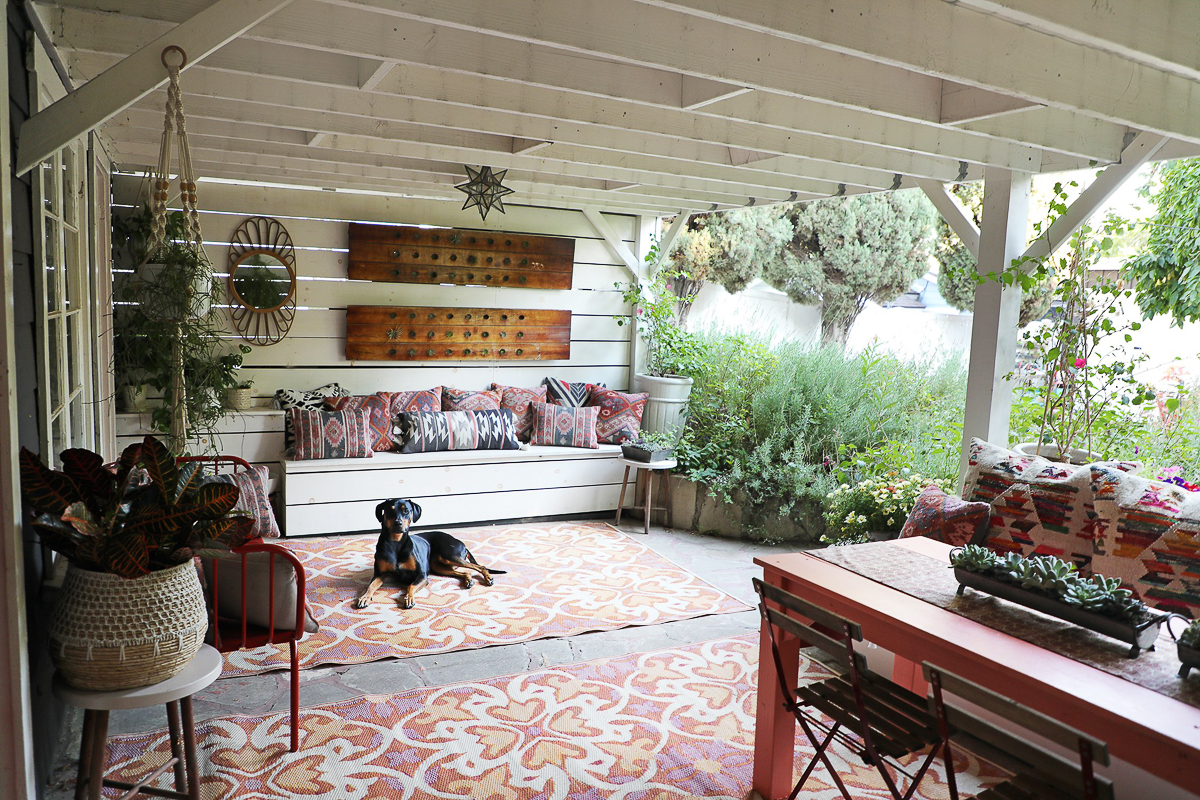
<point x="673" y="354"/>
<point x="1086" y="365"/>
<point x="131" y="611"/>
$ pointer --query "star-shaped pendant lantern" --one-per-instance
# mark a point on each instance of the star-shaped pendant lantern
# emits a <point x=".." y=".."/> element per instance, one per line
<point x="484" y="190"/>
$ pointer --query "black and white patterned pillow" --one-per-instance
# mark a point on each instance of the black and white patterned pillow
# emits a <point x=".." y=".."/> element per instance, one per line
<point x="313" y="399"/>
<point x="566" y="393"/>
<point x="431" y="431"/>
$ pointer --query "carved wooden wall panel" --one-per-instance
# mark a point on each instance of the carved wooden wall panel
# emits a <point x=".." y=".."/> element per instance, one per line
<point x="400" y="254"/>
<point x="408" y="333"/>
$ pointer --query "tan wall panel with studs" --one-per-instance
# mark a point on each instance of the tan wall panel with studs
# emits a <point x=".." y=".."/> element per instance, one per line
<point x="405" y="254"/>
<point x="407" y="333"/>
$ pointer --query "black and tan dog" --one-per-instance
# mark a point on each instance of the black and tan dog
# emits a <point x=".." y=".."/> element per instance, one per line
<point x="409" y="559"/>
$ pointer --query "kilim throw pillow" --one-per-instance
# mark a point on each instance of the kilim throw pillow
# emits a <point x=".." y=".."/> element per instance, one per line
<point x="253" y="499"/>
<point x="464" y="400"/>
<point x="331" y="434"/>
<point x="946" y="518"/>
<point x="431" y="431"/>
<point x="379" y="419"/>
<point x="565" y="393"/>
<point x="520" y="402"/>
<point x="314" y="399"/>
<point x="564" y="426"/>
<point x="422" y="400"/>
<point x="620" y="414"/>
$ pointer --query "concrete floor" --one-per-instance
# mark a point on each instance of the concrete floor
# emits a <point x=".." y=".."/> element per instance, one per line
<point x="724" y="563"/>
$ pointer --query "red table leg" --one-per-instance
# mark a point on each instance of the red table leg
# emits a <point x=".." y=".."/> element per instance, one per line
<point x="775" y="726"/>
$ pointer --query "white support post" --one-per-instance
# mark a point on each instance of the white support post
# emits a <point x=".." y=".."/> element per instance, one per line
<point x="645" y="234"/>
<point x="997" y="310"/>
<point x="1137" y="153"/>
<point x="16" y="723"/>
<point x="128" y="81"/>
<point x="953" y="212"/>
<point x="615" y="245"/>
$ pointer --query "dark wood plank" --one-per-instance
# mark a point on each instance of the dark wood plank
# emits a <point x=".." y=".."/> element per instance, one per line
<point x="384" y="333"/>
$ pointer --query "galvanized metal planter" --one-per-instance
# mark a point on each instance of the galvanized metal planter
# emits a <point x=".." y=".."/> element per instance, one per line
<point x="1140" y="636"/>
<point x="642" y="454"/>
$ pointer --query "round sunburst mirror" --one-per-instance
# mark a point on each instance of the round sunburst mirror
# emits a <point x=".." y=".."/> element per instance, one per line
<point x="262" y="280"/>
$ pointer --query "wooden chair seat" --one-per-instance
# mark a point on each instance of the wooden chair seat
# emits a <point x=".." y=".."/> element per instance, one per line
<point x="899" y="718"/>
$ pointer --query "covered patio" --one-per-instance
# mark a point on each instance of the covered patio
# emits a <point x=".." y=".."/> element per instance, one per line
<point x="614" y="122"/>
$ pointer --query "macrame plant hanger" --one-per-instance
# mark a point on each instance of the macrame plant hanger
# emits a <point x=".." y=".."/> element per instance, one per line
<point x="174" y="123"/>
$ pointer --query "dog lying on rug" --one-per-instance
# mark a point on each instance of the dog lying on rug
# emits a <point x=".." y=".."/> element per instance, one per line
<point x="410" y="558"/>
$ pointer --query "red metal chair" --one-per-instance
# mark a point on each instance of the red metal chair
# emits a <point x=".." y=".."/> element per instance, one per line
<point x="238" y="633"/>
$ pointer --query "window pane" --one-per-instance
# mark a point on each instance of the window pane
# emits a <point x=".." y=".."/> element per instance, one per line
<point x="58" y="435"/>
<point x="78" y="422"/>
<point x="71" y="268"/>
<point x="50" y="185"/>
<point x="50" y="254"/>
<point x="71" y="346"/>
<point x="54" y="351"/>
<point x="70" y="187"/>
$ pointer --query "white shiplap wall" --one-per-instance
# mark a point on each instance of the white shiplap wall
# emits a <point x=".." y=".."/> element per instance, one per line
<point x="313" y="353"/>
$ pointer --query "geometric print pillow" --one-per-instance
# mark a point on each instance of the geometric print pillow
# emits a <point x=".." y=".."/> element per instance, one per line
<point x="565" y="393"/>
<point x="422" y="400"/>
<point x="294" y="398"/>
<point x="1013" y="526"/>
<point x="379" y="420"/>
<point x="620" y="415"/>
<point x="331" y="434"/>
<point x="253" y="499"/>
<point x="465" y="400"/>
<point x="433" y="431"/>
<point x="520" y="402"/>
<point x="564" y="426"/>
<point x="946" y="518"/>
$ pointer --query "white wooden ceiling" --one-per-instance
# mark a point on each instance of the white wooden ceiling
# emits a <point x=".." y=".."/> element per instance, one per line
<point x="657" y="106"/>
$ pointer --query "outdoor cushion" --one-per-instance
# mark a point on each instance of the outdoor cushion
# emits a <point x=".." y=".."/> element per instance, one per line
<point x="620" y="414"/>
<point x="946" y="518"/>
<point x="258" y="590"/>
<point x="564" y="426"/>
<point x="253" y="499"/>
<point x="331" y="434"/>
<point x="379" y="416"/>
<point x="464" y="400"/>
<point x="430" y="431"/>
<point x="420" y="400"/>
<point x="293" y="398"/>
<point x="520" y="402"/>
<point x="565" y="393"/>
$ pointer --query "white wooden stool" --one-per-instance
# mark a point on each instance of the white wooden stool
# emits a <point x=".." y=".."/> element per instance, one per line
<point x="175" y="692"/>
<point x="664" y="467"/>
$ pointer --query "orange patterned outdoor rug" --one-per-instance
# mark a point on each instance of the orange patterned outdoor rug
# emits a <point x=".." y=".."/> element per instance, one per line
<point x="670" y="724"/>
<point x="563" y="579"/>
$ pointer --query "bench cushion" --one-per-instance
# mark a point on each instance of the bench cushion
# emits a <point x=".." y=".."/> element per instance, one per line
<point x="427" y="431"/>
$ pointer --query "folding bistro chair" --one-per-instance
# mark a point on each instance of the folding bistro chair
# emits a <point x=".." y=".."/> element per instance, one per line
<point x="251" y="625"/>
<point x="1042" y="775"/>
<point x="876" y="719"/>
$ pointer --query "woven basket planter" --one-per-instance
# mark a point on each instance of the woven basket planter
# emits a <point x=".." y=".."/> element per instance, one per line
<point x="109" y="633"/>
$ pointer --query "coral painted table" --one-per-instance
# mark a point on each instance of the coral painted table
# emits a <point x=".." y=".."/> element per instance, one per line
<point x="1155" y="732"/>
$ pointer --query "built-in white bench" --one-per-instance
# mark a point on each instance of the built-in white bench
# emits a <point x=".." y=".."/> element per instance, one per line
<point x="453" y="487"/>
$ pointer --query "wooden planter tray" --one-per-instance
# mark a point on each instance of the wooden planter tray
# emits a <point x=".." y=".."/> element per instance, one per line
<point x="1140" y="636"/>
<point x="1189" y="658"/>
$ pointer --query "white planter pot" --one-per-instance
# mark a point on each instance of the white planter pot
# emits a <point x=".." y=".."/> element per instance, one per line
<point x="136" y="397"/>
<point x="666" y="410"/>
<point x="1050" y="451"/>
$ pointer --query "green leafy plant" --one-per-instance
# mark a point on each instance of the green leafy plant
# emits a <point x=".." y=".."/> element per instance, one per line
<point x="144" y="513"/>
<point x="671" y="350"/>
<point x="652" y="440"/>
<point x="1191" y="635"/>
<point x="1167" y="268"/>
<point x="974" y="558"/>
<point x="876" y="504"/>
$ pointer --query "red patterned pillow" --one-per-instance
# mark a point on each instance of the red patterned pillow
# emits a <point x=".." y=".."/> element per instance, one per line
<point x="421" y="400"/>
<point x="946" y="518"/>
<point x="253" y="499"/>
<point x="564" y="426"/>
<point x="464" y="400"/>
<point x="520" y="402"/>
<point x="379" y="421"/>
<point x="331" y="434"/>
<point x="620" y="416"/>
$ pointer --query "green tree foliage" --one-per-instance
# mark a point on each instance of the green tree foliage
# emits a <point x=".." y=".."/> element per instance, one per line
<point x="1167" y="271"/>
<point x="837" y="253"/>
<point x="958" y="268"/>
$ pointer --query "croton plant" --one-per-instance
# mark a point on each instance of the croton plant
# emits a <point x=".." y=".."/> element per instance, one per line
<point x="144" y="513"/>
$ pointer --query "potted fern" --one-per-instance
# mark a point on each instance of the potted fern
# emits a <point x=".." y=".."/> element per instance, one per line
<point x="131" y="611"/>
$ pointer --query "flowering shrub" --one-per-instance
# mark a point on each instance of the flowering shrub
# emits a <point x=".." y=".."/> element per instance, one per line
<point x="878" y="504"/>
<point x="1175" y="475"/>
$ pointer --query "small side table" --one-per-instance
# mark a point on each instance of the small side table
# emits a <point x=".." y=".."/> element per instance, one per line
<point x="655" y="467"/>
<point x="175" y="693"/>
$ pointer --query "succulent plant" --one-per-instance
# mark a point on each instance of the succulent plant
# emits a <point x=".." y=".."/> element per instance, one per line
<point x="973" y="558"/>
<point x="1191" y="635"/>
<point x="1049" y="574"/>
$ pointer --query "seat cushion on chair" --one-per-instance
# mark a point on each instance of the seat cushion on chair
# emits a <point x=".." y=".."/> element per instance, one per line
<point x="946" y="518"/>
<point x="228" y="588"/>
<point x="253" y="499"/>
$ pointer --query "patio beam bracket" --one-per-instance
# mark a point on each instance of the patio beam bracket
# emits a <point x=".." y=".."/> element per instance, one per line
<point x="1143" y="148"/>
<point x="953" y="212"/>
<point x="667" y="243"/>
<point x="618" y="247"/>
<point x="131" y="79"/>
